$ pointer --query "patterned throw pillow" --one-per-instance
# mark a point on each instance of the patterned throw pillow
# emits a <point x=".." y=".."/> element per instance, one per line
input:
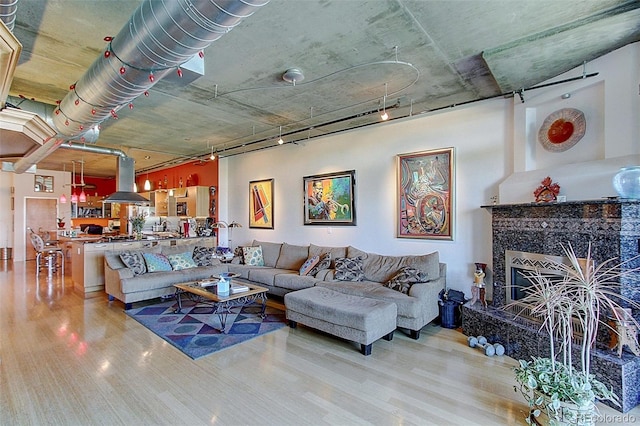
<point x="181" y="261"/>
<point x="253" y="256"/>
<point x="156" y="262"/>
<point x="405" y="278"/>
<point x="309" y="265"/>
<point x="349" y="269"/>
<point x="323" y="263"/>
<point x="134" y="261"/>
<point x="203" y="256"/>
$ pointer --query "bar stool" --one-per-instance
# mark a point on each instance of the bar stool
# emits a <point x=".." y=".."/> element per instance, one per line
<point x="53" y="255"/>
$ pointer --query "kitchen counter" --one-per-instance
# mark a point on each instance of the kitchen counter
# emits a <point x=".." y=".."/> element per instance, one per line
<point x="87" y="258"/>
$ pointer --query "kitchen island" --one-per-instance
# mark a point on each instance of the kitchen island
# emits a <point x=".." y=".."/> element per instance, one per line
<point x="87" y="258"/>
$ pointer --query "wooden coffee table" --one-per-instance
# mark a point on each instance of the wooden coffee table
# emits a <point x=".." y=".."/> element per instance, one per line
<point x="222" y="304"/>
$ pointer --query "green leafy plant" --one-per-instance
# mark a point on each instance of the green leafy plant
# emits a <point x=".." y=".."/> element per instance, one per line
<point x="137" y="222"/>
<point x="584" y="295"/>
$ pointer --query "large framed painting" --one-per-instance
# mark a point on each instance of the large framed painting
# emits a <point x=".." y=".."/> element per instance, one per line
<point x="426" y="194"/>
<point x="261" y="204"/>
<point x="329" y="199"/>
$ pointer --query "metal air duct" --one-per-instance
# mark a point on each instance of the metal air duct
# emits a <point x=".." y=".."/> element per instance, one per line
<point x="8" y="9"/>
<point x="159" y="37"/>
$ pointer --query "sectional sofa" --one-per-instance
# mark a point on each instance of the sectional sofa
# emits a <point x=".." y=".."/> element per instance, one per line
<point x="411" y="282"/>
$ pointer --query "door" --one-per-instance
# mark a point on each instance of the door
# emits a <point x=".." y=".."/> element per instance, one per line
<point x="41" y="216"/>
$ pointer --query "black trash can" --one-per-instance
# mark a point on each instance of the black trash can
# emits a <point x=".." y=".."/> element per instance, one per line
<point x="448" y="314"/>
<point x="449" y="306"/>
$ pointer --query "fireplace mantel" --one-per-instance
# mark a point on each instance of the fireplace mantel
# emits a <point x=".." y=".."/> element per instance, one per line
<point x="611" y="226"/>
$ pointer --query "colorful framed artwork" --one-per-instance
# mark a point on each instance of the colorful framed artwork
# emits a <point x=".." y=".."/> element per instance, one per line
<point x="261" y="204"/>
<point x="426" y="194"/>
<point x="329" y="199"/>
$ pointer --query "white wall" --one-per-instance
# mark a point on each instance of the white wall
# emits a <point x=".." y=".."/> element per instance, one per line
<point x="610" y="105"/>
<point x="483" y="135"/>
<point x="480" y="159"/>
<point x="12" y="222"/>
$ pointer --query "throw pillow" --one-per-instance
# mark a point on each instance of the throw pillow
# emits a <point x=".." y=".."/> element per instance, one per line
<point x="253" y="256"/>
<point x="203" y="256"/>
<point x="181" y="261"/>
<point x="156" y="262"/>
<point x="405" y="278"/>
<point x="323" y="263"/>
<point x="349" y="269"/>
<point x="134" y="261"/>
<point x="309" y="265"/>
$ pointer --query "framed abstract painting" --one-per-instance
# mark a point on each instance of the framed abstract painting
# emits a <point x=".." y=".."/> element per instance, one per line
<point x="261" y="204"/>
<point x="329" y="199"/>
<point x="426" y="194"/>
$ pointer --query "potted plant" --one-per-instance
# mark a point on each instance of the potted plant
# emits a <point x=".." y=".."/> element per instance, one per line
<point x="559" y="386"/>
<point x="61" y="222"/>
<point x="137" y="223"/>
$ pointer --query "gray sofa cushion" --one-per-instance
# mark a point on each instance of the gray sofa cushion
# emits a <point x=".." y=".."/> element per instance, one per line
<point x="407" y="306"/>
<point x="267" y="275"/>
<point x="270" y="252"/>
<point x="381" y="268"/>
<point x="293" y="281"/>
<point x="335" y="252"/>
<point x="292" y="257"/>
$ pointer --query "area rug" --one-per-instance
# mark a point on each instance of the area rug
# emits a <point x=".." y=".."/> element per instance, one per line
<point x="196" y="330"/>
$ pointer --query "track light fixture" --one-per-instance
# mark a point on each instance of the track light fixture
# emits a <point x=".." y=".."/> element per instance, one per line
<point x="213" y="155"/>
<point x="280" y="141"/>
<point x="384" y="116"/>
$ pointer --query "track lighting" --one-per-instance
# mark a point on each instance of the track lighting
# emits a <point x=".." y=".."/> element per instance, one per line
<point x="213" y="155"/>
<point x="384" y="116"/>
<point x="280" y="141"/>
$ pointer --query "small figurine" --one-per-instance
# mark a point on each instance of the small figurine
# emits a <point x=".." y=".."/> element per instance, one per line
<point x="478" y="289"/>
<point x="547" y="192"/>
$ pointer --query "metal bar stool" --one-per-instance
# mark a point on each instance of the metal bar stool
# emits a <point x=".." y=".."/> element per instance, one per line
<point x="53" y="255"/>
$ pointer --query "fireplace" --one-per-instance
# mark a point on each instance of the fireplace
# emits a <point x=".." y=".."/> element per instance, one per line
<point x="525" y="236"/>
<point x="519" y="264"/>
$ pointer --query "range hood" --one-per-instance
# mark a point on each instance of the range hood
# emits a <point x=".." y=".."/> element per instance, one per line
<point x="125" y="177"/>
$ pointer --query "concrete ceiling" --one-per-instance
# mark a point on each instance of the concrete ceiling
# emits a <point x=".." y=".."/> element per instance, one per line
<point x="425" y="54"/>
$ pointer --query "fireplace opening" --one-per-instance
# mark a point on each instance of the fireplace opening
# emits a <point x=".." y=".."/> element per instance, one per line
<point x="519" y="263"/>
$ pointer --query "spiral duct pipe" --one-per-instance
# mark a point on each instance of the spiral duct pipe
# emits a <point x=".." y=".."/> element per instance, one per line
<point x="159" y="37"/>
<point x="8" y="9"/>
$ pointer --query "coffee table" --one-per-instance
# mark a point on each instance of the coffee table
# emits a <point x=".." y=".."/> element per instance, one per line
<point x="222" y="304"/>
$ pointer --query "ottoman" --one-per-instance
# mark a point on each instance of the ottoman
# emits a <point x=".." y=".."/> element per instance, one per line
<point x="354" y="318"/>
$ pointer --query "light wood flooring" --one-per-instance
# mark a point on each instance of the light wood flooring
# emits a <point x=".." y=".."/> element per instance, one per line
<point x="65" y="360"/>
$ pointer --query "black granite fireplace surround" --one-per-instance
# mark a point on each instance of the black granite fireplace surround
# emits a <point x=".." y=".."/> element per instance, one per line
<point x="613" y="229"/>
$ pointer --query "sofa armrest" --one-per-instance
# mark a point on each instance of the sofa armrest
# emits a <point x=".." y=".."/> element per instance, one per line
<point x="430" y="290"/>
<point x="112" y="279"/>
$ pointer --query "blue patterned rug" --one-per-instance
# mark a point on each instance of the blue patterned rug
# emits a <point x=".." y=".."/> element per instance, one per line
<point x="196" y="330"/>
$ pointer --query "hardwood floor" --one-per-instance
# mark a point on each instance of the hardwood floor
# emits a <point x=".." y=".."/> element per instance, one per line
<point x="65" y="360"/>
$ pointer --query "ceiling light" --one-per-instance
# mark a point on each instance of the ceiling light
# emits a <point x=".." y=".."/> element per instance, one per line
<point x="384" y="116"/>
<point x="63" y="199"/>
<point x="293" y="75"/>
<point x="280" y="141"/>
<point x="147" y="184"/>
<point x="135" y="187"/>
<point x="83" y="197"/>
<point x="213" y="155"/>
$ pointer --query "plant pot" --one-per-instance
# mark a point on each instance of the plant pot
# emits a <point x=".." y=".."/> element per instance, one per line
<point x="61" y="225"/>
<point x="567" y="413"/>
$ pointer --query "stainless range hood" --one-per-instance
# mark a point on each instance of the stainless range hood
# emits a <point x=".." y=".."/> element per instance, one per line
<point x="125" y="178"/>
